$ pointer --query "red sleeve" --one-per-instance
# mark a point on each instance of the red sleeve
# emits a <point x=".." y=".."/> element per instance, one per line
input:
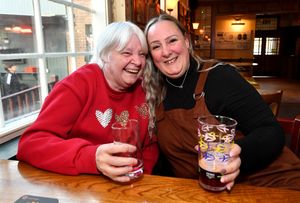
<point x="45" y="144"/>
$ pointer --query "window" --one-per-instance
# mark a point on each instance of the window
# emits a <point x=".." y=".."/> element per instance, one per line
<point x="266" y="42"/>
<point x="272" y="46"/>
<point x="44" y="45"/>
<point x="257" y="46"/>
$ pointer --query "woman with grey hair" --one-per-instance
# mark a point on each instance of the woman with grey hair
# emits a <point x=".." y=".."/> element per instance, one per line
<point x="72" y="134"/>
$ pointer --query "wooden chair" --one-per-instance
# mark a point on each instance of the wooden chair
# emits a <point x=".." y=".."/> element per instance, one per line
<point x="272" y="98"/>
<point x="291" y="128"/>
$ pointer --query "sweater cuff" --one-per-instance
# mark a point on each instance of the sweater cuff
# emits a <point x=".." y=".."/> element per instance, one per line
<point x="86" y="160"/>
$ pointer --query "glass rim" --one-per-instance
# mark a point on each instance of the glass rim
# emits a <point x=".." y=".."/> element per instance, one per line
<point x="123" y="127"/>
<point x="218" y="117"/>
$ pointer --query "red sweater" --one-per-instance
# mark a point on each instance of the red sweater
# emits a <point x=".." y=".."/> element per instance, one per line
<point x="76" y="118"/>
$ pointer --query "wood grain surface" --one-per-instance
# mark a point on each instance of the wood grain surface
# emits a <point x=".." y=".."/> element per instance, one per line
<point x="17" y="179"/>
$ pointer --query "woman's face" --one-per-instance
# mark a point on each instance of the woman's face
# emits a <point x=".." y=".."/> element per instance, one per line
<point x="123" y="68"/>
<point x="168" y="48"/>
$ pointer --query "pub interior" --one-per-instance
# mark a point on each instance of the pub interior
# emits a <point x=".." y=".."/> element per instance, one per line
<point x="260" y="38"/>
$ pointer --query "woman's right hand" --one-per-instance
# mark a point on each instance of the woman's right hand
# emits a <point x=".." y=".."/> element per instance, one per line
<point x="112" y="165"/>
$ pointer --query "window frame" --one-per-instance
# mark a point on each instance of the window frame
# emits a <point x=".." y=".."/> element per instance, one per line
<point x="12" y="128"/>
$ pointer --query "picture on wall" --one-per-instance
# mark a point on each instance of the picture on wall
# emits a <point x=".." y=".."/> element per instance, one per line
<point x="233" y="40"/>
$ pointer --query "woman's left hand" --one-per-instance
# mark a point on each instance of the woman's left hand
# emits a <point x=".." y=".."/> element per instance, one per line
<point x="232" y="169"/>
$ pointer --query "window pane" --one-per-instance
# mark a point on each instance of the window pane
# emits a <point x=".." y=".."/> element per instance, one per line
<point x="272" y="46"/>
<point x="55" y="26"/>
<point x="83" y="30"/>
<point x="16" y="27"/>
<point x="57" y="69"/>
<point x="82" y="60"/>
<point x="60" y="67"/>
<point x="257" y="46"/>
<point x="19" y="89"/>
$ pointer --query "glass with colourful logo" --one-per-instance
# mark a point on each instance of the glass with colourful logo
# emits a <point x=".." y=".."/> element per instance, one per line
<point x="128" y="132"/>
<point x="216" y="137"/>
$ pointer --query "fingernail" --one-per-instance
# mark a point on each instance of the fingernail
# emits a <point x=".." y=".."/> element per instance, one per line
<point x="228" y="189"/>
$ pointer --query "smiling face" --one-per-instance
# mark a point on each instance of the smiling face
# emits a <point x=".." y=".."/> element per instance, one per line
<point x="123" y="68"/>
<point x="168" y="48"/>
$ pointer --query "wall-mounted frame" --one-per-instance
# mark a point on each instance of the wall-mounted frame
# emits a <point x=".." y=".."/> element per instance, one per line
<point x="233" y="40"/>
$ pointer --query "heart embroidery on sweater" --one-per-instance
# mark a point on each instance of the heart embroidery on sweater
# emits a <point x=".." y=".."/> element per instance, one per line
<point x="122" y="118"/>
<point x="104" y="118"/>
<point x="142" y="110"/>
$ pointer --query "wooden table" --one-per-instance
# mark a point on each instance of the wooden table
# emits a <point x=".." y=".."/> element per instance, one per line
<point x="17" y="179"/>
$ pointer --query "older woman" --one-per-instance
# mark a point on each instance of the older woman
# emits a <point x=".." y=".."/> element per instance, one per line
<point x="72" y="134"/>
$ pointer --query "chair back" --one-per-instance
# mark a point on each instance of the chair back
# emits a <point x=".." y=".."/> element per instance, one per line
<point x="272" y="98"/>
<point x="291" y="128"/>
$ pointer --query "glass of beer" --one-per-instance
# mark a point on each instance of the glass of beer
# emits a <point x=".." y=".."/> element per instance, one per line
<point x="216" y="135"/>
<point x="128" y="132"/>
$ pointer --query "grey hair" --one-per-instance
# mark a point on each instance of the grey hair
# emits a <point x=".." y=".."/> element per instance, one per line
<point x="116" y="36"/>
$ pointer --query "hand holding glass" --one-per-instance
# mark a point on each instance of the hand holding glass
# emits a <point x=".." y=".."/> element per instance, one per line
<point x="128" y="132"/>
<point x="216" y="134"/>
